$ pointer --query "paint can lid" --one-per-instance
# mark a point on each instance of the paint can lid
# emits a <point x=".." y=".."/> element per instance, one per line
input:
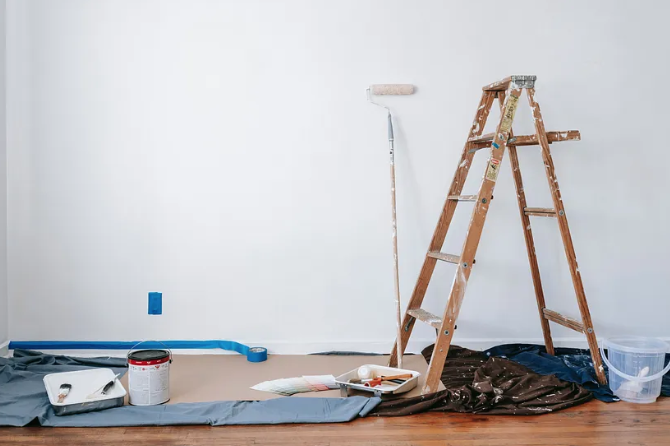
<point x="148" y="355"/>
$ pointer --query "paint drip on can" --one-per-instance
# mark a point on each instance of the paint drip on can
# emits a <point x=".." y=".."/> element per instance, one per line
<point x="149" y="377"/>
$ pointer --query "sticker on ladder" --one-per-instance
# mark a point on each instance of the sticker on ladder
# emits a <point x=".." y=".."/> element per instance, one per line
<point x="492" y="170"/>
<point x="508" y="115"/>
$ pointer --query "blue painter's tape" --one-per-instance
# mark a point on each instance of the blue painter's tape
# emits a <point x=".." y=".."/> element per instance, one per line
<point x="253" y="354"/>
<point x="257" y="354"/>
<point x="495" y="144"/>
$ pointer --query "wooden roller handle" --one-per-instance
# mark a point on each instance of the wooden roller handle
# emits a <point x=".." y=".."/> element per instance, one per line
<point x="390" y="378"/>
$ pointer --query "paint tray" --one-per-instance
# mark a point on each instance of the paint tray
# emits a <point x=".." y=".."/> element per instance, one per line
<point x="84" y="383"/>
<point x="383" y="389"/>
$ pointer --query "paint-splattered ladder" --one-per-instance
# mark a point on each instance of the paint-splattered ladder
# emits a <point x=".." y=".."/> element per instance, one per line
<point x="508" y="92"/>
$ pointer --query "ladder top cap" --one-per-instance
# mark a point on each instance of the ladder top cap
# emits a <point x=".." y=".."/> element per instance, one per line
<point x="514" y="82"/>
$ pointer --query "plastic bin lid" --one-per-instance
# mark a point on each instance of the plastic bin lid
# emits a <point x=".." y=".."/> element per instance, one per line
<point x="636" y="344"/>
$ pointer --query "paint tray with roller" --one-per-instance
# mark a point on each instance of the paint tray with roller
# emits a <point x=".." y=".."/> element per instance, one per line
<point x="353" y="380"/>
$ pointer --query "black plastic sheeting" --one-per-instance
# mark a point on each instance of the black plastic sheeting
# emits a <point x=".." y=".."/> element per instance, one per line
<point x="477" y="382"/>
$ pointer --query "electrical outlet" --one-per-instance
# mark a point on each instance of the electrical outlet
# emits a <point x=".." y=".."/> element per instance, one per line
<point x="155" y="303"/>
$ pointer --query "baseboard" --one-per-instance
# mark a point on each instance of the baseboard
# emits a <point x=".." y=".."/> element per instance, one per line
<point x="4" y="351"/>
<point x="301" y="348"/>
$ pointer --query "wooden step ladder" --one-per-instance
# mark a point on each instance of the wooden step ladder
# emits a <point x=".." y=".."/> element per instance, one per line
<point x="508" y="92"/>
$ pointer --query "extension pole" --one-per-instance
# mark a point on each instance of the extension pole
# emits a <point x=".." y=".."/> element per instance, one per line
<point x="394" y="236"/>
<point x="395" y="90"/>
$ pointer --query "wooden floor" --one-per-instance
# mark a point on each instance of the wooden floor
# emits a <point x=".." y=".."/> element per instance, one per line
<point x="594" y="423"/>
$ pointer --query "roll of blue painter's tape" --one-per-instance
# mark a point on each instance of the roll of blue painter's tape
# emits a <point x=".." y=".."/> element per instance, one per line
<point x="257" y="354"/>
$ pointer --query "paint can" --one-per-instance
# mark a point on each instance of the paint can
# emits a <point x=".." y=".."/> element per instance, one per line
<point x="149" y="376"/>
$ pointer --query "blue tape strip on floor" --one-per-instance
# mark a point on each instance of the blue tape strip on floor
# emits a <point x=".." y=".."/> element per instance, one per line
<point x="253" y="354"/>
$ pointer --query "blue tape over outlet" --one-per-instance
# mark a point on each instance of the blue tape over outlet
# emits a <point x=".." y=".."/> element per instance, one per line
<point x="155" y="303"/>
<point x="253" y="354"/>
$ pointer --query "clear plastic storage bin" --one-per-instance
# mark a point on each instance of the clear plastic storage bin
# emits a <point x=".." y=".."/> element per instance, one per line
<point x="635" y="367"/>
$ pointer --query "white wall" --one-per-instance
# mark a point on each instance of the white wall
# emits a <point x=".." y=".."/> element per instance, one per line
<point x="4" y="309"/>
<point x="223" y="152"/>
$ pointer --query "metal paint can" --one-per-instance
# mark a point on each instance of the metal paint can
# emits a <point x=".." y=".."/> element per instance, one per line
<point x="149" y="377"/>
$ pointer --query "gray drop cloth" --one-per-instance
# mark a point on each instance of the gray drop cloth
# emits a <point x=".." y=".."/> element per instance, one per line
<point x="23" y="400"/>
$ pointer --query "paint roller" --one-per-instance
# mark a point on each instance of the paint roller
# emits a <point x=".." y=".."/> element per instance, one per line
<point x="392" y="90"/>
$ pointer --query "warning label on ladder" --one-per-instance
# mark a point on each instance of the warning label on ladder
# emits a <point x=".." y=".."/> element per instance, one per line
<point x="508" y="115"/>
<point x="492" y="170"/>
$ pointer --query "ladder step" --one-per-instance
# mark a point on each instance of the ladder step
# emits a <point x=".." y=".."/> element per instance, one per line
<point x="540" y="212"/>
<point x="426" y="316"/>
<point x="463" y="197"/>
<point x="487" y="137"/>
<point x="563" y="320"/>
<point x="451" y="258"/>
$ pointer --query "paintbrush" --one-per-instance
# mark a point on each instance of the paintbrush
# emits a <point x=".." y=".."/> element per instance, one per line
<point x="104" y="388"/>
<point x="63" y="391"/>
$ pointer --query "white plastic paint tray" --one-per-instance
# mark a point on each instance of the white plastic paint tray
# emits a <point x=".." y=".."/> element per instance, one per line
<point x="84" y="383"/>
<point x="383" y="389"/>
